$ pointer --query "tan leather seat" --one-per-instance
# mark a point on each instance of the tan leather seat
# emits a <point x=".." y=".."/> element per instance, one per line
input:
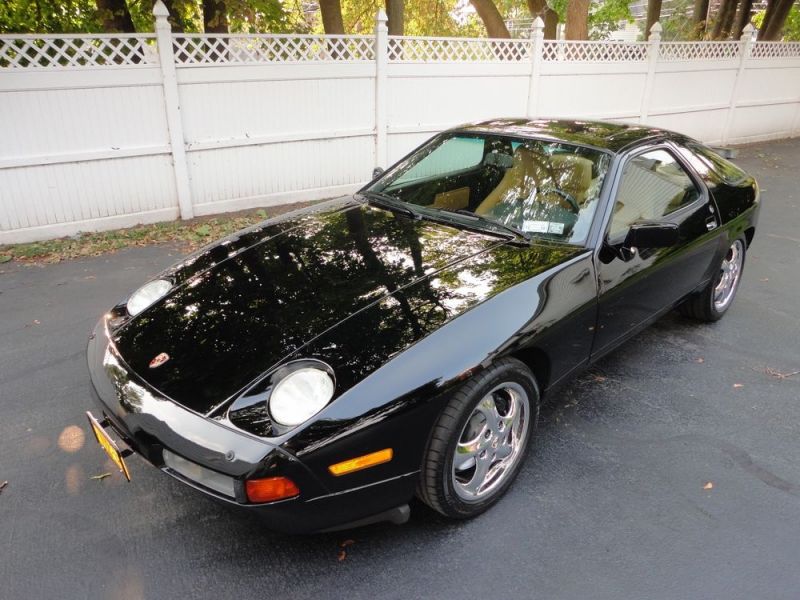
<point x="517" y="182"/>
<point x="569" y="172"/>
<point x="573" y="174"/>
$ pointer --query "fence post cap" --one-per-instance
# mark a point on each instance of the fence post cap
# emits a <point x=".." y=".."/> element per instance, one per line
<point x="160" y="10"/>
<point x="747" y="32"/>
<point x="379" y="18"/>
<point x="538" y="23"/>
<point x="656" y="28"/>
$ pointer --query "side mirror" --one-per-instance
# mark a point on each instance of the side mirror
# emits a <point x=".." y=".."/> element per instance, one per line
<point x="377" y="172"/>
<point x="651" y="235"/>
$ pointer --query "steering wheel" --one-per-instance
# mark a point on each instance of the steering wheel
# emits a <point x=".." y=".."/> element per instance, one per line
<point x="573" y="204"/>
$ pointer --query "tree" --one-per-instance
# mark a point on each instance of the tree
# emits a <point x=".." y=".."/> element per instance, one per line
<point x="724" y="19"/>
<point x="492" y="19"/>
<point x="395" y="13"/>
<point x="115" y="16"/>
<point x="774" y="19"/>
<point x="742" y="18"/>
<point x="215" y="16"/>
<point x="331" y="11"/>
<point x="540" y="8"/>
<point x="699" y="15"/>
<point x="653" y="15"/>
<point x="577" y="20"/>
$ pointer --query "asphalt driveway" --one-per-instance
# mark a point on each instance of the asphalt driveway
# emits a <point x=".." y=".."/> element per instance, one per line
<point x="670" y="470"/>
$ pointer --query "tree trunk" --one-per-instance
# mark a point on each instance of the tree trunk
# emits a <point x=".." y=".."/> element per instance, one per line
<point x="331" y="11"/>
<point x="772" y="28"/>
<point x="699" y="15"/>
<point x="540" y="8"/>
<point x="395" y="12"/>
<point x="577" y="20"/>
<point x="550" y="25"/>
<point x="491" y="17"/>
<point x="743" y="18"/>
<point x="725" y="16"/>
<point x="215" y="18"/>
<point x="115" y="16"/>
<point x="653" y="15"/>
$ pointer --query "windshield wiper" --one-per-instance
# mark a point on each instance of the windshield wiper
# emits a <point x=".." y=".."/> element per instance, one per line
<point x="390" y="203"/>
<point x="517" y="233"/>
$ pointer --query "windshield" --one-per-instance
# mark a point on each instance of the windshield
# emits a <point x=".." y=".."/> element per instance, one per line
<point x="540" y="188"/>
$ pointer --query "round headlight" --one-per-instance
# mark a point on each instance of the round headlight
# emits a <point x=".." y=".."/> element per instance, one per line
<point x="146" y="295"/>
<point x="300" y="395"/>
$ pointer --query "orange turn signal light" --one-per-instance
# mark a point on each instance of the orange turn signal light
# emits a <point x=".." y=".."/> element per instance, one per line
<point x="362" y="462"/>
<point x="270" y="489"/>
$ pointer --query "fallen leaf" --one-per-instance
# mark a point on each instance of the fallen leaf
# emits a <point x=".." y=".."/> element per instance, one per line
<point x="342" y="555"/>
<point x="599" y="378"/>
<point x="738" y="385"/>
<point x="700" y="360"/>
<point x="101" y="476"/>
<point x="347" y="543"/>
<point x="90" y="277"/>
<point x="778" y="375"/>
<point x="3" y="485"/>
<point x="708" y="486"/>
<point x="37" y="322"/>
<point x="764" y="279"/>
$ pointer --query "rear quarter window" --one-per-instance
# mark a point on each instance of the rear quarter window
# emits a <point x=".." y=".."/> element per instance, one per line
<point x="712" y="166"/>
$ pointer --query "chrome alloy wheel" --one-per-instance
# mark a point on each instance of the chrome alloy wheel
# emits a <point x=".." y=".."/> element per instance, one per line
<point x="491" y="443"/>
<point x="731" y="270"/>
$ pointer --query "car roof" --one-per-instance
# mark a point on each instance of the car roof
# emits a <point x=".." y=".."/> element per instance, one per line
<point x="599" y="134"/>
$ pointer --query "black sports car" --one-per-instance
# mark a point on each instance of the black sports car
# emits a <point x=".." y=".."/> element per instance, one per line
<point x="324" y="367"/>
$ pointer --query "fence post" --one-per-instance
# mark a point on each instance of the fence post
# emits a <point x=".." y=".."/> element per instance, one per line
<point x="166" y="57"/>
<point x="537" y="55"/>
<point x="744" y="54"/>
<point x="381" y="63"/>
<point x="653" y="49"/>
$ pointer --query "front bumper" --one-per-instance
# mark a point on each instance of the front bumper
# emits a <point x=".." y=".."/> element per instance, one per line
<point x="150" y="423"/>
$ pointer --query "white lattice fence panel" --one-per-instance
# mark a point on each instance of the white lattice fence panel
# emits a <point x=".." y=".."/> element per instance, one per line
<point x="594" y="51"/>
<point x="429" y="49"/>
<point x="249" y="49"/>
<point x="47" y="51"/>
<point x="675" y="51"/>
<point x="775" y="50"/>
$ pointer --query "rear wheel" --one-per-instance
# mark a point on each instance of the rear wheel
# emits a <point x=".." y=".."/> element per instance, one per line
<point x="714" y="300"/>
<point x="480" y="441"/>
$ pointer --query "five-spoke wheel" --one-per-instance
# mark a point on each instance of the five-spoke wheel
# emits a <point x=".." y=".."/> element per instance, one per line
<point x="480" y="440"/>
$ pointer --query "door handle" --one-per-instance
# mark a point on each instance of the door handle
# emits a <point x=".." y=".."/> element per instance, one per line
<point x="711" y="222"/>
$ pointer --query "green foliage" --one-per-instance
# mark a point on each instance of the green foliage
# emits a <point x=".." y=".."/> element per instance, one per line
<point x="47" y="16"/>
<point x="679" y="25"/>
<point x="791" y="28"/>
<point x="604" y="15"/>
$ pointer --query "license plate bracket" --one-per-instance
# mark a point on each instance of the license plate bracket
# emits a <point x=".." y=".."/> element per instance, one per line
<point x="108" y="445"/>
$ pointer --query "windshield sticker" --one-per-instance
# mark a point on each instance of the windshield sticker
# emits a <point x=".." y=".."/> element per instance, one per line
<point x="535" y="226"/>
<point x="543" y="227"/>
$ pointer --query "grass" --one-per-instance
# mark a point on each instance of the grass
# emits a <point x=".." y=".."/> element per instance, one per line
<point x="190" y="234"/>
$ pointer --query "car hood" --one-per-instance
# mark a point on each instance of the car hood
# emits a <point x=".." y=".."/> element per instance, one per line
<point x="254" y="300"/>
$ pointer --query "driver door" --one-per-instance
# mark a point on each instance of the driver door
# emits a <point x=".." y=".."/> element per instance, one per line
<point x="637" y="286"/>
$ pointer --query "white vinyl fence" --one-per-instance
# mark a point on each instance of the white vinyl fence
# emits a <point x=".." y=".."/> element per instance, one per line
<point x="105" y="131"/>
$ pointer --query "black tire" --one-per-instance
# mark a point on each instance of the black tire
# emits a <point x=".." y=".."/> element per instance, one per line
<point x="436" y="486"/>
<point x="702" y="305"/>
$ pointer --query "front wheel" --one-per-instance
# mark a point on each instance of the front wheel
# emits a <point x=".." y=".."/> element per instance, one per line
<point x="714" y="300"/>
<point x="480" y="440"/>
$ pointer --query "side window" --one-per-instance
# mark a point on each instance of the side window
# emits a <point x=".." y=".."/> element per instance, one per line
<point x="653" y="185"/>
<point x="452" y="155"/>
